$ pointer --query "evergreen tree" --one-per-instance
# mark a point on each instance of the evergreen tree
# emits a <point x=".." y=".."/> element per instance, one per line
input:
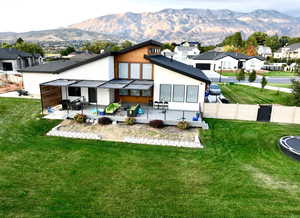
<point x="241" y="75"/>
<point x="252" y="76"/>
<point x="296" y="86"/>
<point x="263" y="82"/>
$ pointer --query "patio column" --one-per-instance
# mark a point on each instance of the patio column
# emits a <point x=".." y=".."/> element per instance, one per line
<point x="67" y="99"/>
<point x="96" y="101"/>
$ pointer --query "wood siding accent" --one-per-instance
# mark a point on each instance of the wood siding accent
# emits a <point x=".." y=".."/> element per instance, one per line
<point x="50" y="96"/>
<point x="135" y="99"/>
<point x="135" y="56"/>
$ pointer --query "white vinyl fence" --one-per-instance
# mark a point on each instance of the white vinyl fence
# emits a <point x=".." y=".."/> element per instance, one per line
<point x="11" y="78"/>
<point x="280" y="114"/>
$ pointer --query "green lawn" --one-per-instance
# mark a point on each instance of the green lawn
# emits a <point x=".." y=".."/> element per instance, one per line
<point x="233" y="74"/>
<point x="250" y="95"/>
<point x="279" y="74"/>
<point x="280" y="85"/>
<point x="240" y="172"/>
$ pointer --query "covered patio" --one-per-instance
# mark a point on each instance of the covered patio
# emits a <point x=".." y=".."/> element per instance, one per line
<point x="58" y="104"/>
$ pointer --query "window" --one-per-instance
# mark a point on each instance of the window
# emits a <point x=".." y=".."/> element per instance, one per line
<point x="135" y="70"/>
<point x="74" y="91"/>
<point x="192" y="94"/>
<point x="178" y="93"/>
<point x="7" y="66"/>
<point x="146" y="93"/>
<point x="123" y="70"/>
<point x="165" y="92"/>
<point x="123" y="92"/>
<point x="135" y="92"/>
<point x="147" y="71"/>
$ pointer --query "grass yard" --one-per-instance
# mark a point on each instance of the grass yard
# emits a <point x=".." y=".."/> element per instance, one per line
<point x="240" y="172"/>
<point x="280" y="85"/>
<point x="279" y="74"/>
<point x="243" y="94"/>
<point x="232" y="74"/>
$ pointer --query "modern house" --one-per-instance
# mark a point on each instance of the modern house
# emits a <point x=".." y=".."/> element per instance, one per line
<point x="264" y="51"/>
<point x="290" y="52"/>
<point x="138" y="74"/>
<point x="227" y="61"/>
<point x="12" y="60"/>
<point x="183" y="52"/>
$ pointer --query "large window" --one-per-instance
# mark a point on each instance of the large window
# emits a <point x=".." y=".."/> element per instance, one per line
<point x="124" y="92"/>
<point x="147" y="71"/>
<point x="146" y="93"/>
<point x="192" y="94"/>
<point x="7" y="66"/>
<point x="178" y="93"/>
<point x="165" y="92"/>
<point x="135" y="92"/>
<point x="74" y="91"/>
<point x="135" y="71"/>
<point x="123" y="70"/>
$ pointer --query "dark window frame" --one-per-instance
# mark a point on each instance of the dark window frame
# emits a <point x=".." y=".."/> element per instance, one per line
<point x="74" y="91"/>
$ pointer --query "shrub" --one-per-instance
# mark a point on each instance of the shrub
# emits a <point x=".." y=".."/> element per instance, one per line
<point x="156" y="124"/>
<point x="183" y="125"/>
<point x="263" y="82"/>
<point x="104" y="121"/>
<point x="252" y="76"/>
<point x="80" y="118"/>
<point x="130" y="120"/>
<point x="241" y="75"/>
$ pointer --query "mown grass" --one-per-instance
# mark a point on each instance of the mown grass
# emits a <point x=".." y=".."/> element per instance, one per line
<point x="280" y="85"/>
<point x="240" y="172"/>
<point x="279" y="74"/>
<point x="251" y="95"/>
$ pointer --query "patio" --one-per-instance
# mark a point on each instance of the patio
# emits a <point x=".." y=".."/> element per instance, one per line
<point x="170" y="117"/>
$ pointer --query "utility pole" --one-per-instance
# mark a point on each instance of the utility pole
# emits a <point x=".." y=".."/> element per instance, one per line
<point x="221" y="71"/>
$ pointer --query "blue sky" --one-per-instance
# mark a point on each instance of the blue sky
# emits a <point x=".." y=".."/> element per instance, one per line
<point x="19" y="16"/>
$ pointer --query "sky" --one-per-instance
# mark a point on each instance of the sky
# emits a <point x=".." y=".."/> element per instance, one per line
<point x="28" y="15"/>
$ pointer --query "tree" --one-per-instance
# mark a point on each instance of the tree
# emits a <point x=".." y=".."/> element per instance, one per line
<point x="259" y="38"/>
<point x="241" y="75"/>
<point x="273" y="42"/>
<point x="67" y="51"/>
<point x="296" y="86"/>
<point x="236" y="40"/>
<point x="252" y="76"/>
<point x="263" y="82"/>
<point x="170" y="46"/>
<point x="19" y="41"/>
<point x="126" y="44"/>
<point x="98" y="47"/>
<point x="31" y="48"/>
<point x="206" y="48"/>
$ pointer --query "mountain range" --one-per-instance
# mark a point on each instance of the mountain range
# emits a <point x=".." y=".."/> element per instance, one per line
<point x="204" y="25"/>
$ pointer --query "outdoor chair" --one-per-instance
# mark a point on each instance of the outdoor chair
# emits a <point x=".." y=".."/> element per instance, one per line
<point x="65" y="104"/>
<point x="76" y="105"/>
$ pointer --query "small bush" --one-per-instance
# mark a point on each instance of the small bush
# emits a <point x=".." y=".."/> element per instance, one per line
<point x="130" y="120"/>
<point x="80" y="118"/>
<point x="104" y="121"/>
<point x="156" y="124"/>
<point x="183" y="125"/>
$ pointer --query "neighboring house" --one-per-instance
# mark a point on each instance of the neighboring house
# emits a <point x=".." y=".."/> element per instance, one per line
<point x="168" y="53"/>
<point x="12" y="60"/>
<point x="228" y="61"/>
<point x="264" y="51"/>
<point x="290" y="52"/>
<point x="139" y="74"/>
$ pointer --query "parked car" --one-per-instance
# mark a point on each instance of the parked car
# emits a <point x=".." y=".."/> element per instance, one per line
<point x="214" y="89"/>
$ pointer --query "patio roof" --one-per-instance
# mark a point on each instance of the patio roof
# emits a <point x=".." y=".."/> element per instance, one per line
<point x="59" y="82"/>
<point x="140" y="85"/>
<point x="116" y="84"/>
<point x="88" y="83"/>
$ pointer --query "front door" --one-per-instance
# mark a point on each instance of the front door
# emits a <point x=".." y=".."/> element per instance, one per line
<point x="92" y="95"/>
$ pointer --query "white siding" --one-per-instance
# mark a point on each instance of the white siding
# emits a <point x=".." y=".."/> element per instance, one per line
<point x="254" y="64"/>
<point x="102" y="69"/>
<point x="165" y="76"/>
<point x="32" y="81"/>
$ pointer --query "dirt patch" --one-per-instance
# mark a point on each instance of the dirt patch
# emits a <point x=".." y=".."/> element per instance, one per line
<point x="269" y="181"/>
<point x="117" y="132"/>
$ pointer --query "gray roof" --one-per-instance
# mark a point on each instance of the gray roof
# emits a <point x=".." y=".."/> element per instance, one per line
<point x="185" y="48"/>
<point x="62" y="65"/>
<point x="293" y="47"/>
<point x="178" y="67"/>
<point x="214" y="55"/>
<point x="12" y="54"/>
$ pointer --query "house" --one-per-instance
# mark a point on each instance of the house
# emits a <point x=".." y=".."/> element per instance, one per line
<point x="12" y="60"/>
<point x="264" y="51"/>
<point x="138" y="74"/>
<point x="290" y="52"/>
<point x="228" y="61"/>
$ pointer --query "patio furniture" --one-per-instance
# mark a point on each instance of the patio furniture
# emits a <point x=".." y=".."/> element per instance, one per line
<point x="65" y="104"/>
<point x="101" y="112"/>
<point x="165" y="105"/>
<point x="22" y="92"/>
<point x="112" y="108"/>
<point x="133" y="111"/>
<point x="76" y="105"/>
